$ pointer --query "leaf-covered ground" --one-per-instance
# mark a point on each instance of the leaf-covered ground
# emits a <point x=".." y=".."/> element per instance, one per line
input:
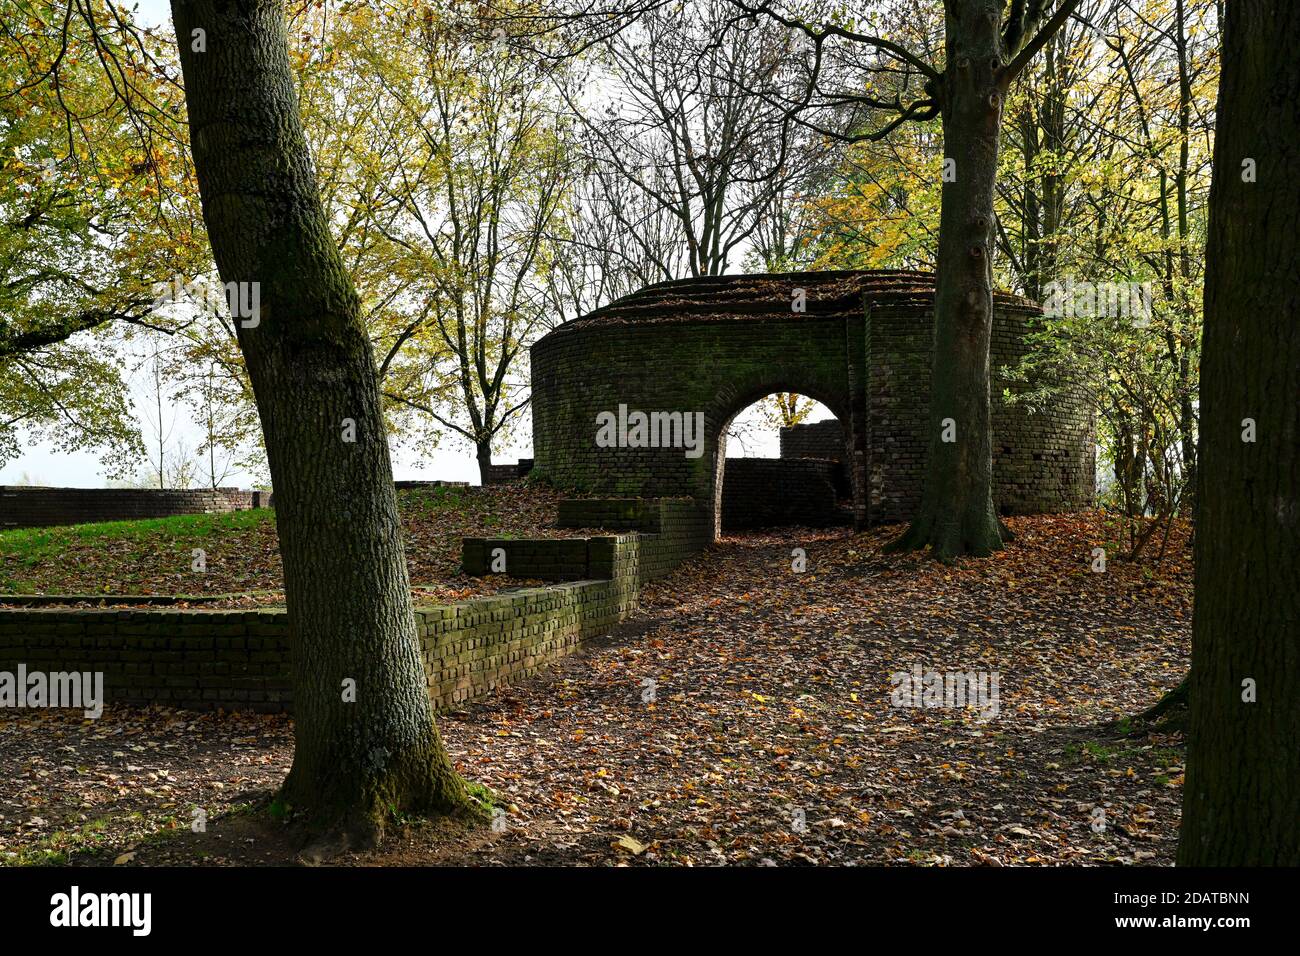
<point x="771" y="738"/>
<point x="155" y="557"/>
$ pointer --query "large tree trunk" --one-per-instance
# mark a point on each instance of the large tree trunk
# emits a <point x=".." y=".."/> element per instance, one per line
<point x="956" y="514"/>
<point x="1241" y="801"/>
<point x="315" y="383"/>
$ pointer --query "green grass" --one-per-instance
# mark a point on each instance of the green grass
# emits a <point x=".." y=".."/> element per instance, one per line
<point x="153" y="555"/>
<point x="24" y="548"/>
<point x="88" y="840"/>
<point x="483" y="795"/>
<point x="1107" y="754"/>
<point x="55" y="849"/>
<point x="428" y="500"/>
<point x="35" y="544"/>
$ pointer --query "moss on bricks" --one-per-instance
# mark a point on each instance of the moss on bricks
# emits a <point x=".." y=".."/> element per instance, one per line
<point x="862" y="346"/>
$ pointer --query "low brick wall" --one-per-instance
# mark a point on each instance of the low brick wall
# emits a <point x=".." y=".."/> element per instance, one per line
<point x="28" y="506"/>
<point x="824" y="439"/>
<point x="615" y="514"/>
<point x="552" y="559"/>
<point x="771" y="492"/>
<point x="240" y="660"/>
<point x="25" y="506"/>
<point x="474" y="647"/>
<point x="507" y="472"/>
<point x="683" y="529"/>
<point x="193" y="659"/>
<point x="666" y="532"/>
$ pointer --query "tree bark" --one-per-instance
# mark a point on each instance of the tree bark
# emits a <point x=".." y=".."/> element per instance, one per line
<point x="956" y="514"/>
<point x="315" y="383"/>
<point x="1241" y="800"/>
<point x="483" y="455"/>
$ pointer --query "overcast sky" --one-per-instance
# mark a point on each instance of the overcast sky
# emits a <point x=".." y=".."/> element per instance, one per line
<point x="452" y="461"/>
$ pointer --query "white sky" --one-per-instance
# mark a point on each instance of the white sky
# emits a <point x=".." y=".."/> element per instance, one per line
<point x="154" y="12"/>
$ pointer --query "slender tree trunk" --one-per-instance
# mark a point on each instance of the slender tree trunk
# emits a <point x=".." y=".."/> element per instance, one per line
<point x="314" y="379"/>
<point x="1032" y="229"/>
<point x="956" y="514"/>
<point x="1241" y="801"/>
<point x="1054" y="141"/>
<point x="1186" y="416"/>
<point x="483" y="454"/>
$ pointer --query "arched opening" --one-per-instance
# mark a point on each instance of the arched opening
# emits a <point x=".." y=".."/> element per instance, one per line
<point x="782" y="460"/>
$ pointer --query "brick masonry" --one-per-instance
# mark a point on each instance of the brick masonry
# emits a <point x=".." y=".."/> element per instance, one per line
<point x="659" y="535"/>
<point x="1042" y="462"/>
<point x="193" y="659"/>
<point x="769" y="492"/>
<point x="862" y="347"/>
<point x="240" y="660"/>
<point x="25" y="506"/>
<point x="507" y="472"/>
<point x="824" y="440"/>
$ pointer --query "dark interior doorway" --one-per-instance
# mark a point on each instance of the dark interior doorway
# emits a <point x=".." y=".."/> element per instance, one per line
<point x="784" y="476"/>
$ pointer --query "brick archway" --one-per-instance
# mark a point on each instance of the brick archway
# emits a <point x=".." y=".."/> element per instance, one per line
<point x="733" y="398"/>
<point x="861" y="345"/>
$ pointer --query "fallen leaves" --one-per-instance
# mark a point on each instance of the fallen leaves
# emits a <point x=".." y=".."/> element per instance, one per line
<point x="243" y="555"/>
<point x="630" y="844"/>
<point x="772" y="740"/>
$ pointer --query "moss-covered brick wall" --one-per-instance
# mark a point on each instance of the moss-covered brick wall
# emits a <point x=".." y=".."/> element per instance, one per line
<point x="660" y="534"/>
<point x="768" y="492"/>
<point x="617" y="514"/>
<point x="192" y="659"/>
<point x="703" y="368"/>
<point x="473" y="647"/>
<point x="1043" y="462"/>
<point x="201" y="660"/>
<point x="824" y="439"/>
<point x="552" y="559"/>
<point x="861" y="346"/>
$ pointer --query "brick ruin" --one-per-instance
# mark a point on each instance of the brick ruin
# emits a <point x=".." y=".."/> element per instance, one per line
<point x="152" y="653"/>
<point x="861" y="346"/>
<point x="808" y="485"/>
<point x="705" y="349"/>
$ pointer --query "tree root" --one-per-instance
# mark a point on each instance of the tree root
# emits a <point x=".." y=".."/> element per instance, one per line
<point x="1167" y="715"/>
<point x="1170" y="712"/>
<point x="356" y="817"/>
<point x="977" y="535"/>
